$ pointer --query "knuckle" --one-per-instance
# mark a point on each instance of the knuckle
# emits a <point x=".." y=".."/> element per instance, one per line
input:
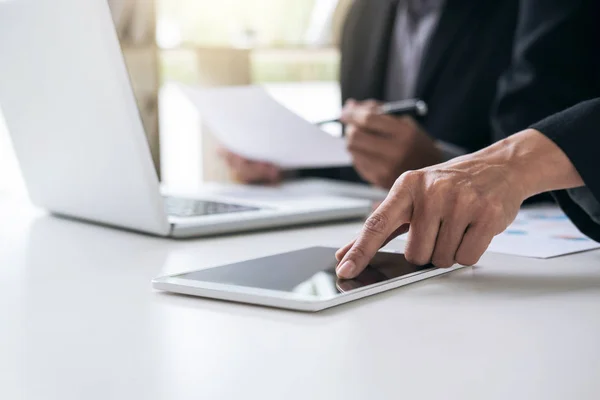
<point x="410" y="178"/>
<point x="376" y="224"/>
<point x="488" y="205"/>
<point x="459" y="203"/>
<point x="495" y="210"/>
<point x="357" y="253"/>
<point x="490" y="214"/>
<point x="465" y="199"/>
<point x="456" y="205"/>
<point x="447" y="187"/>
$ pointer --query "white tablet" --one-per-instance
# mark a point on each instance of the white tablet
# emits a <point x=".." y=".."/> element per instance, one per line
<point x="302" y="280"/>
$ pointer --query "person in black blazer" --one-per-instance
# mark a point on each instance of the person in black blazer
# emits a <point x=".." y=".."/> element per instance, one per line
<point x="466" y="53"/>
<point x="456" y="208"/>
<point x="556" y="65"/>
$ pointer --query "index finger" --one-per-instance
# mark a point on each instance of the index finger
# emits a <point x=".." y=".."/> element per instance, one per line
<point x="395" y="211"/>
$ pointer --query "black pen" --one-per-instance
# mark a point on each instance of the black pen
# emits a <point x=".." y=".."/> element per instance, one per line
<point x="415" y="107"/>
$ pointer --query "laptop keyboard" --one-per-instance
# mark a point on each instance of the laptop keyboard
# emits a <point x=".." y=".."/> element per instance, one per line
<point x="180" y="207"/>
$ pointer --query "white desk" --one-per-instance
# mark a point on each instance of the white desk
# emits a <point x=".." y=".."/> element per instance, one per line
<point x="511" y="329"/>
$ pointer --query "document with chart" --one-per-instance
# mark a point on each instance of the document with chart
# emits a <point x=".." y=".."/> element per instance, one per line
<point x="542" y="232"/>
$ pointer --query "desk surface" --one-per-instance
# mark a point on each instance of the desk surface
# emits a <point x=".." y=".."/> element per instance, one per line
<point x="79" y="320"/>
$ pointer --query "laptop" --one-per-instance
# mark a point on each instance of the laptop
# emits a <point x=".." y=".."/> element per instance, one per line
<point x="71" y="113"/>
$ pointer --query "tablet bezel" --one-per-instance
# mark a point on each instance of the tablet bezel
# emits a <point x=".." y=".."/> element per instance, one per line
<point x="280" y="299"/>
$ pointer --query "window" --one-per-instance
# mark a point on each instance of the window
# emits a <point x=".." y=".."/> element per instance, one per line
<point x="291" y="40"/>
<point x="265" y="23"/>
<point x="284" y="41"/>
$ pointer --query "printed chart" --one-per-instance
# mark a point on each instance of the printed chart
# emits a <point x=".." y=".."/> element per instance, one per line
<point x="542" y="232"/>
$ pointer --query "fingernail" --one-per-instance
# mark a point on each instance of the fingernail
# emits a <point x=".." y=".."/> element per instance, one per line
<point x="346" y="269"/>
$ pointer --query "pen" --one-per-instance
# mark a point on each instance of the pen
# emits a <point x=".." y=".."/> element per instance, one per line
<point x="415" y="107"/>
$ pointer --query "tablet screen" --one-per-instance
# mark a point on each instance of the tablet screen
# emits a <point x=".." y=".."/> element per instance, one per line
<point x="309" y="272"/>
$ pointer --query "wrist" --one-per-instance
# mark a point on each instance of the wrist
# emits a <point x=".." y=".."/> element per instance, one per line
<point x="535" y="164"/>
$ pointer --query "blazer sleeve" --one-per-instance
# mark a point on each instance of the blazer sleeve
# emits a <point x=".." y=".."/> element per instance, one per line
<point x="577" y="132"/>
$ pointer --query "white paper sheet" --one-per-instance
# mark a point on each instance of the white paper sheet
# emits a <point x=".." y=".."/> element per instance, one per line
<point x="249" y="122"/>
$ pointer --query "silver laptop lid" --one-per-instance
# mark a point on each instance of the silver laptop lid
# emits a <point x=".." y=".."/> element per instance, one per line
<point x="71" y="113"/>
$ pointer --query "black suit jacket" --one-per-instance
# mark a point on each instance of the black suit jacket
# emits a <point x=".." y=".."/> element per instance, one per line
<point x="556" y="65"/>
<point x="469" y="50"/>
<point x="556" y="62"/>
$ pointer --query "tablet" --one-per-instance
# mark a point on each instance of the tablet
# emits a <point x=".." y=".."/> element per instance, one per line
<point x="302" y="280"/>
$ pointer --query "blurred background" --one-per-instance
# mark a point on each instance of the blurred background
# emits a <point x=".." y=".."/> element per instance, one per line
<point x="290" y="46"/>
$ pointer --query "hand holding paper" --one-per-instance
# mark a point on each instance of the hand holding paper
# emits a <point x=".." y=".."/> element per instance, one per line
<point x="250" y="123"/>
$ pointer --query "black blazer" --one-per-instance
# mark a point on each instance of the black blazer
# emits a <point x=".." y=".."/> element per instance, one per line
<point x="556" y="65"/>
<point x="469" y="50"/>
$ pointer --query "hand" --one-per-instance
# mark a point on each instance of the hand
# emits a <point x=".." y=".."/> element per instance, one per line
<point x="455" y="209"/>
<point x="248" y="171"/>
<point x="383" y="146"/>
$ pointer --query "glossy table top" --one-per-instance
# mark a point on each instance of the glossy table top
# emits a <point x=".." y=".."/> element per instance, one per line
<point x="79" y="320"/>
